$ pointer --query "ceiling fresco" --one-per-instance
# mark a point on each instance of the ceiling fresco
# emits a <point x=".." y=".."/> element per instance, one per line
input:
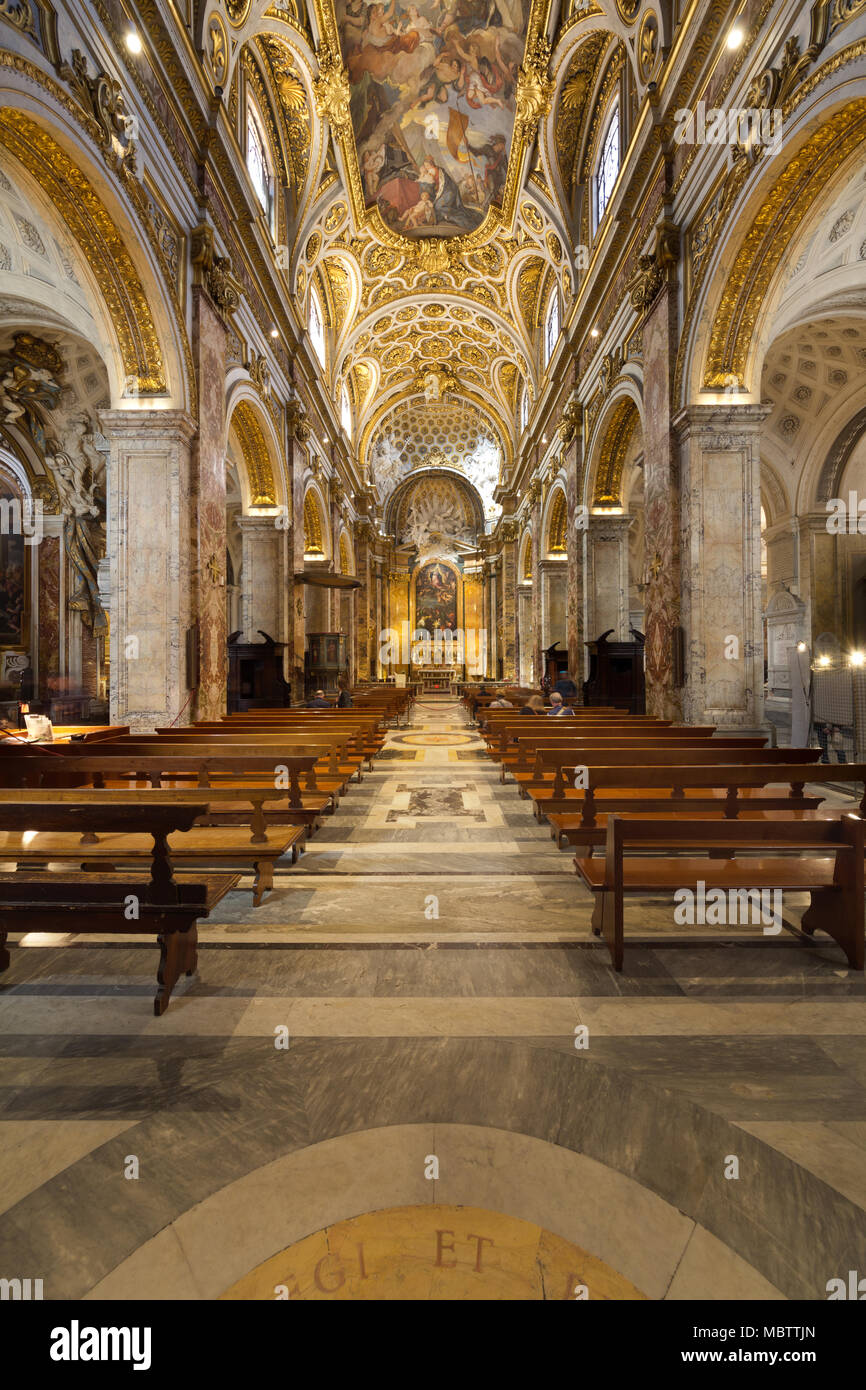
<point x="433" y="106"/>
<point x="447" y="140"/>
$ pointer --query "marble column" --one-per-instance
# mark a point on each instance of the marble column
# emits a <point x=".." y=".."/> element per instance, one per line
<point x="607" y="576"/>
<point x="295" y="641"/>
<point x="209" y="505"/>
<point x="265" y="551"/>
<point x="493" y="619"/>
<point x="46" y="657"/>
<point x="510" y="650"/>
<point x="661" y="492"/>
<point x="554" y="601"/>
<point x="365" y="600"/>
<point x="575" y="554"/>
<point x="151" y="556"/>
<point x="721" y="564"/>
<point x="539" y="549"/>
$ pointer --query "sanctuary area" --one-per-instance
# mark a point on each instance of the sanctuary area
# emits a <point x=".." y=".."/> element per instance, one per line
<point x="433" y="653"/>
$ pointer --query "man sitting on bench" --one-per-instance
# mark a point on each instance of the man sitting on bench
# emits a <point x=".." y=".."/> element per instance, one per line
<point x="557" y="708"/>
<point x="319" y="702"/>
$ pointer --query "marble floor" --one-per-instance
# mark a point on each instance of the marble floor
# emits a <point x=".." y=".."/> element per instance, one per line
<point x="411" y="1074"/>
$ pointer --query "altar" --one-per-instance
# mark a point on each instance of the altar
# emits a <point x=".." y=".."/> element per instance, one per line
<point x="437" y="678"/>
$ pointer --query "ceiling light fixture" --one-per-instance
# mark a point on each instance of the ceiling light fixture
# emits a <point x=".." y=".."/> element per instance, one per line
<point x="275" y="333"/>
<point x="133" y="41"/>
<point x="594" y="333"/>
<point x="735" y="37"/>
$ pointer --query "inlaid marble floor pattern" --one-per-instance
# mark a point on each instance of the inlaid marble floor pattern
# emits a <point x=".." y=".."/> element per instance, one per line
<point x="430" y="957"/>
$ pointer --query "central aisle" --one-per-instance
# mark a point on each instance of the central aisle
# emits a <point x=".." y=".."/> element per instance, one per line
<point x="428" y="965"/>
<point x="430" y="844"/>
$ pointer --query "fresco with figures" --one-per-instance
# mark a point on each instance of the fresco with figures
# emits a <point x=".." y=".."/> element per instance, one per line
<point x="436" y="598"/>
<point x="433" y="106"/>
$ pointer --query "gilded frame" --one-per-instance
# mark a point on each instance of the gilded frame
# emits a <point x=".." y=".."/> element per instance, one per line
<point x="532" y="101"/>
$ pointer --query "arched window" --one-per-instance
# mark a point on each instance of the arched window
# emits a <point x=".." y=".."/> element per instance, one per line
<point x="317" y="327"/>
<point x="607" y="168"/>
<point x="258" y="161"/>
<point x="551" y="326"/>
<point x="345" y="411"/>
<point x="524" y="409"/>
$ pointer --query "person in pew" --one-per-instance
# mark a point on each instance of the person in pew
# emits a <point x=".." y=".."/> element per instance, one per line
<point x="344" y="699"/>
<point x="565" y="686"/>
<point x="557" y="708"/>
<point x="534" y="705"/>
<point x="500" y="703"/>
<point x="319" y="702"/>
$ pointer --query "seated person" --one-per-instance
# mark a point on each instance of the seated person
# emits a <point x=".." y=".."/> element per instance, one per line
<point x="344" y="699"/>
<point x="557" y="708"/>
<point x="500" y="703"/>
<point x="534" y="705"/>
<point x="319" y="702"/>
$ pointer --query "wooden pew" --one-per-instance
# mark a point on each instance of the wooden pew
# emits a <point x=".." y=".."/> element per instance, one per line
<point x="502" y="734"/>
<point x="836" y="885"/>
<point x="553" y="770"/>
<point x="727" y="792"/>
<point x="539" y="761"/>
<point x="166" y="907"/>
<point x="242" y="777"/>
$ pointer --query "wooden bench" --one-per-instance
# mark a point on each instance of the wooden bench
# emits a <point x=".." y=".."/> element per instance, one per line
<point x="158" y="904"/>
<point x="221" y="847"/>
<point x="666" y="787"/>
<point x="161" y="767"/>
<point x="721" y="793"/>
<point x="553" y="772"/>
<point x="543" y="764"/>
<point x="836" y="884"/>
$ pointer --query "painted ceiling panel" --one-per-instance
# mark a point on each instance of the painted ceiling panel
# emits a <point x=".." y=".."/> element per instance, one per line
<point x="433" y="104"/>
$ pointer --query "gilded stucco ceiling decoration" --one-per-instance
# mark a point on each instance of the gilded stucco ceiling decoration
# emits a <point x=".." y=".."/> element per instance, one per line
<point x="435" y="117"/>
<point x="102" y="244"/>
<point x="572" y="107"/>
<point x="250" y="60"/>
<point x="340" y="292"/>
<point x="762" y="249"/>
<point x="557" y="530"/>
<point x="247" y="427"/>
<point x="312" y="525"/>
<point x="292" y="105"/>
<point x="618" y="434"/>
<point x="528" y="287"/>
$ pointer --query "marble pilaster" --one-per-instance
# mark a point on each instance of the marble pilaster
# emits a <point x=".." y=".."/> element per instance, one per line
<point x="607" y="576"/>
<point x="149" y="523"/>
<point x="508" y="608"/>
<point x="265" y="551"/>
<point x="721" y="564"/>
<point x="661" y="491"/>
<point x="366" y="646"/>
<point x="295" y="643"/>
<point x="209" y="505"/>
<point x="575" y="539"/>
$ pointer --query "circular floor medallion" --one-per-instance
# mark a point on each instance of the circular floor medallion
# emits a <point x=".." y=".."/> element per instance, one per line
<point x="430" y="1253"/>
<point x="434" y="740"/>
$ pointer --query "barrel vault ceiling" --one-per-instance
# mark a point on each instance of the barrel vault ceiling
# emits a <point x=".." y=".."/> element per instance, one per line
<point x="433" y="284"/>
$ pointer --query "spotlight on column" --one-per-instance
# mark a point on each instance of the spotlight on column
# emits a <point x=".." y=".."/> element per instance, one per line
<point x="275" y="333"/>
<point x="735" y="37"/>
<point x="133" y="41"/>
<point x="857" y="658"/>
